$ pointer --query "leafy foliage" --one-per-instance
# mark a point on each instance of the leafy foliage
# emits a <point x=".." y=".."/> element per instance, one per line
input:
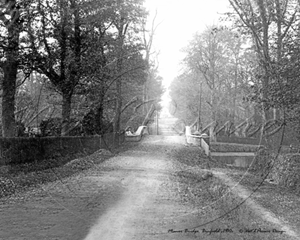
<point x="77" y="59"/>
<point x="216" y="78"/>
<point x="273" y="28"/>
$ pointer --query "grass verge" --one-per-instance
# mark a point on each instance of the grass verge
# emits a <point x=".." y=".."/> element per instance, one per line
<point x="21" y="177"/>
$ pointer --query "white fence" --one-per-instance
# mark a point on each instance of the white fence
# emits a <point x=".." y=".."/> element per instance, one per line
<point x="197" y="140"/>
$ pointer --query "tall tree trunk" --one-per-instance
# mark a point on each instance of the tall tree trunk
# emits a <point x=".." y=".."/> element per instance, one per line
<point x="66" y="112"/>
<point x="213" y="106"/>
<point x="118" y="111"/>
<point x="69" y="82"/>
<point x="122" y="29"/>
<point x="8" y="98"/>
<point x="99" y="117"/>
<point x="10" y="69"/>
<point x="279" y="46"/>
<point x="233" y="110"/>
<point x="264" y="58"/>
<point x="117" y="121"/>
<point x="145" y="94"/>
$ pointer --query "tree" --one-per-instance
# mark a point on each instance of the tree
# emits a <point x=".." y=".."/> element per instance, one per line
<point x="11" y="27"/>
<point x="129" y="20"/>
<point x="57" y="54"/>
<point x="33" y="100"/>
<point x="152" y="63"/>
<point x="88" y="50"/>
<point x="185" y="94"/>
<point x="105" y="66"/>
<point x="270" y="24"/>
<point x="215" y="57"/>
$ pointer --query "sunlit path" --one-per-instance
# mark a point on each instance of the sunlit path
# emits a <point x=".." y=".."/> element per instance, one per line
<point x="148" y="192"/>
<point x="141" y="209"/>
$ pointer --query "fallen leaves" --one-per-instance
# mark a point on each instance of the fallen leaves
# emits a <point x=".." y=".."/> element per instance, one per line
<point x="20" y="178"/>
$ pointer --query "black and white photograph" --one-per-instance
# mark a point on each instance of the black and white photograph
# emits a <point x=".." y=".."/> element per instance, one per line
<point x="149" y="119"/>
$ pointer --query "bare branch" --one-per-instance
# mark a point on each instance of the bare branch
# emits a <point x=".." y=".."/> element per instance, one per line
<point x="289" y="24"/>
<point x="27" y="75"/>
<point x="121" y="75"/>
<point x="245" y="19"/>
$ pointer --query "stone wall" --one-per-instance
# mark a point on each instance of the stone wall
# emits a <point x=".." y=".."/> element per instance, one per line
<point x="23" y="150"/>
<point x="233" y="147"/>
<point x="240" y="140"/>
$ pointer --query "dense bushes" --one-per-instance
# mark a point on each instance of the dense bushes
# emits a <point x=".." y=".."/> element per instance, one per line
<point x="286" y="171"/>
<point x="283" y="169"/>
<point x="86" y="127"/>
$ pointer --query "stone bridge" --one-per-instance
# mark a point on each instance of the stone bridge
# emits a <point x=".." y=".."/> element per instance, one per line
<point x="231" y="153"/>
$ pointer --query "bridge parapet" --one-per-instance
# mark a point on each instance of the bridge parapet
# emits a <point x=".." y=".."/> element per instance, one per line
<point x="239" y="155"/>
<point x="197" y="140"/>
<point x="136" y="136"/>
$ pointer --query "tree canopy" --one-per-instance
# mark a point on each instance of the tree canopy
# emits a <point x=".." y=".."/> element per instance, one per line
<point x="247" y="66"/>
<point x="87" y="58"/>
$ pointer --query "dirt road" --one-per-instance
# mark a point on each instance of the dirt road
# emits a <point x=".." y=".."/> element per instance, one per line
<point x="145" y="193"/>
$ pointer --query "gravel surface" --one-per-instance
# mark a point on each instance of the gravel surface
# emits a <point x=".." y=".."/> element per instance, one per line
<point x="159" y="188"/>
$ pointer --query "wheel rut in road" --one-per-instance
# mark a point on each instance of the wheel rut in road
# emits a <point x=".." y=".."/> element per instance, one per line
<point x="143" y="193"/>
<point x="140" y="211"/>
